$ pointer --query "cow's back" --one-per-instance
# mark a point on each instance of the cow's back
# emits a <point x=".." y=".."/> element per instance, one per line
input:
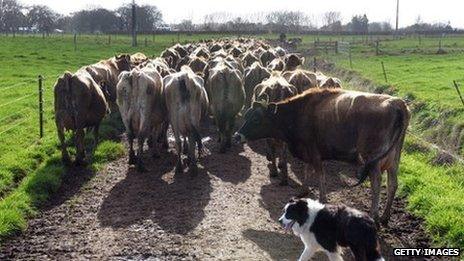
<point x="226" y="91"/>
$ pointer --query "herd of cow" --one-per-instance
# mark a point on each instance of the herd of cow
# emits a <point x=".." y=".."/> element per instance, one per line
<point x="294" y="109"/>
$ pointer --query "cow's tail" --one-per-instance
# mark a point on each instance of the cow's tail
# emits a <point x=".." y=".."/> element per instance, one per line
<point x="69" y="101"/>
<point x="399" y="128"/>
<point x="185" y="99"/>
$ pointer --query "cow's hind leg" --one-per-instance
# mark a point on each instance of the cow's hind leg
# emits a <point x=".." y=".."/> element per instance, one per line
<point x="283" y="164"/>
<point x="229" y="128"/>
<point x="392" y="186"/>
<point x="319" y="170"/>
<point x="375" y="179"/>
<point x="80" y="147"/>
<point x="132" y="157"/>
<point x="271" y="157"/>
<point x="140" y="165"/>
<point x="192" y="157"/>
<point x="179" y="167"/>
<point x="64" y="151"/>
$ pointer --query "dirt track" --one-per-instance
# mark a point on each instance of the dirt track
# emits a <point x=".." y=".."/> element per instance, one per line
<point x="228" y="211"/>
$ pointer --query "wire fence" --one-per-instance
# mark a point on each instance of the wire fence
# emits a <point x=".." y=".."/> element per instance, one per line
<point x="20" y="117"/>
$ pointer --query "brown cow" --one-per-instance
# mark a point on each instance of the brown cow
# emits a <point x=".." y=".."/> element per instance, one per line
<point x="276" y="65"/>
<point x="293" y="61"/>
<point x="186" y="100"/>
<point x="198" y="65"/>
<point x="171" y="57"/>
<point x="275" y="89"/>
<point x="266" y="57"/>
<point x="334" y="124"/>
<point x="142" y="109"/>
<point x="301" y="79"/>
<point x="227" y="96"/>
<point x="249" y="58"/>
<point x="254" y="75"/>
<point x="79" y="104"/>
<point x="106" y="73"/>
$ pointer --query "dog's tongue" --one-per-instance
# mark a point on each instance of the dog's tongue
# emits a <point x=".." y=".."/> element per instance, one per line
<point x="289" y="226"/>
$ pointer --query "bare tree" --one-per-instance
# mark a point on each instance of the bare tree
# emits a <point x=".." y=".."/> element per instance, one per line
<point x="41" y="17"/>
<point x="330" y="18"/>
<point x="11" y="16"/>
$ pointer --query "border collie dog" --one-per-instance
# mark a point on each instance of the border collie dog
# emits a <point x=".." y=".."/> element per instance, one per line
<point x="330" y="227"/>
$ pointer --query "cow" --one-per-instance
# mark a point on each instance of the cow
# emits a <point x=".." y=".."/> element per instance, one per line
<point x="276" y="65"/>
<point x="248" y="59"/>
<point x="198" y="65"/>
<point x="142" y="108"/>
<point x="235" y="52"/>
<point x="201" y="52"/>
<point x="330" y="82"/>
<point x="79" y="104"/>
<point x="181" y="50"/>
<point x="227" y="96"/>
<point x="186" y="100"/>
<point x="137" y="59"/>
<point x="335" y="124"/>
<point x="106" y="74"/>
<point x="161" y="66"/>
<point x="171" y="56"/>
<point x="275" y="89"/>
<point x="301" y="79"/>
<point x="293" y="61"/>
<point x="279" y="51"/>
<point x="266" y="57"/>
<point x="254" y="75"/>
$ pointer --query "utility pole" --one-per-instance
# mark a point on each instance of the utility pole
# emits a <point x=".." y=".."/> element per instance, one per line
<point x="397" y="14"/>
<point x="134" y="24"/>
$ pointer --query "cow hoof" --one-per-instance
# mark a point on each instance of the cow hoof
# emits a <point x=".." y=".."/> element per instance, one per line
<point x="283" y="182"/>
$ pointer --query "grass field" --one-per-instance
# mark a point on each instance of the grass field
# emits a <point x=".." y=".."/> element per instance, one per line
<point x="30" y="169"/>
<point x="415" y="72"/>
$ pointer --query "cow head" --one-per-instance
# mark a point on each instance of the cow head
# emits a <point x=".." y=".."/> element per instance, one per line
<point x="258" y="123"/>
<point x="293" y="61"/>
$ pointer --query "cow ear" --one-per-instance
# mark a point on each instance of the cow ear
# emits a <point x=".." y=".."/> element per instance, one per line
<point x="272" y="107"/>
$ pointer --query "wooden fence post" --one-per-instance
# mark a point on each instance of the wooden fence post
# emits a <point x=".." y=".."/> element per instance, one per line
<point x="146" y="42"/>
<point x="336" y="47"/>
<point x="41" y="132"/>
<point x="315" y="65"/>
<point x="384" y="72"/>
<point x="377" y="47"/>
<point x="75" y="42"/>
<point x="459" y="92"/>
<point x="351" y="62"/>
<point x="109" y="39"/>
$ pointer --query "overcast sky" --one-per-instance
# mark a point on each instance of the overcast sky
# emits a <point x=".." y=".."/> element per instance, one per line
<point x="377" y="10"/>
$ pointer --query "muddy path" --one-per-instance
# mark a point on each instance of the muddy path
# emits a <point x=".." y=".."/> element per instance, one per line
<point x="227" y="212"/>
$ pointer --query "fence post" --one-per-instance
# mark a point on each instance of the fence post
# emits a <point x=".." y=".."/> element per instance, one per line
<point x="146" y="42"/>
<point x="459" y="92"/>
<point x="351" y="62"/>
<point x="109" y="39"/>
<point x="315" y="65"/>
<point x="41" y="132"/>
<point x="75" y="42"/>
<point x="336" y="47"/>
<point x="377" y="47"/>
<point x="384" y="72"/>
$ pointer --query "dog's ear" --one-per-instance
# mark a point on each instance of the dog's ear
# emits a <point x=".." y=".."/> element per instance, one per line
<point x="293" y="200"/>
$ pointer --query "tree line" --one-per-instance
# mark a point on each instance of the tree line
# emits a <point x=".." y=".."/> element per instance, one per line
<point x="15" y="17"/>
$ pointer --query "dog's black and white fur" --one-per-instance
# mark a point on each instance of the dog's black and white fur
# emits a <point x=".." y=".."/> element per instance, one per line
<point x="330" y="227"/>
